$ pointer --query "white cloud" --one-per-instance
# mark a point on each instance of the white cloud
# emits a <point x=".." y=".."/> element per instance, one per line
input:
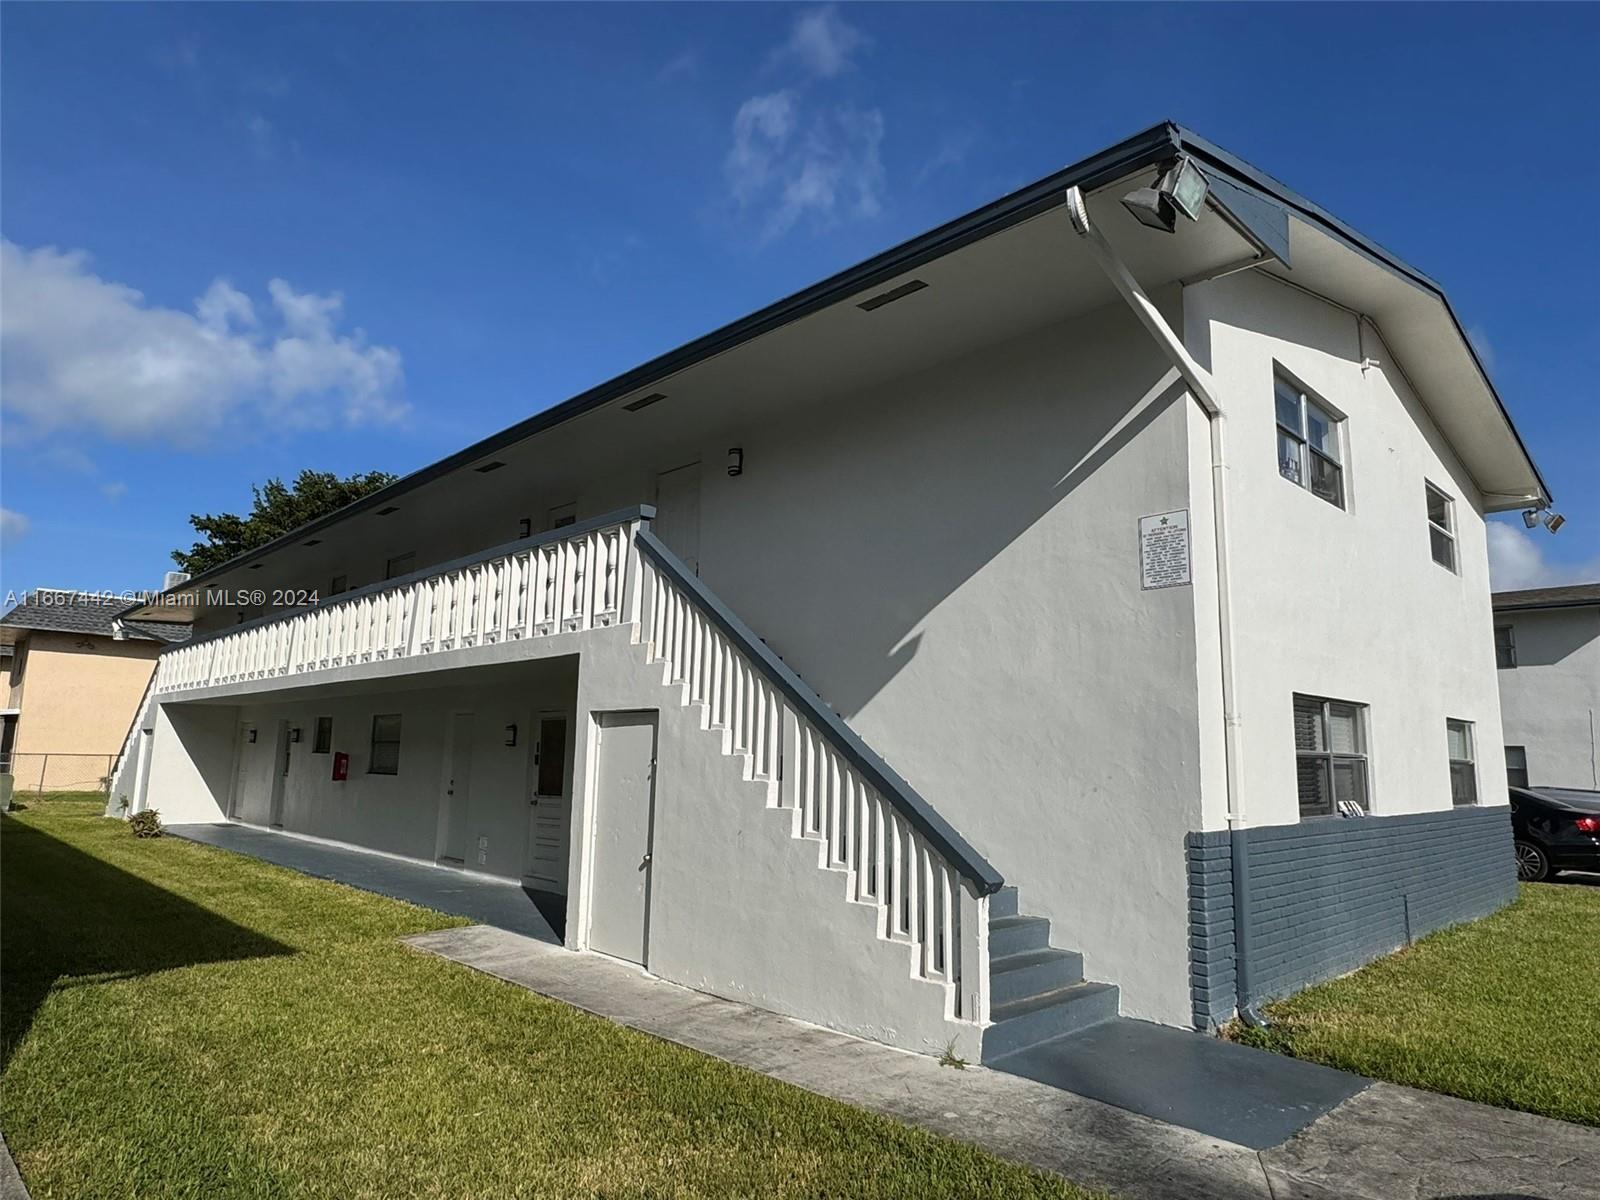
<point x="787" y="164"/>
<point x="822" y="41"/>
<point x="686" y="64"/>
<point x="114" y="491"/>
<point x="12" y="524"/>
<point x="81" y="353"/>
<point x="1517" y="560"/>
<point x="798" y="155"/>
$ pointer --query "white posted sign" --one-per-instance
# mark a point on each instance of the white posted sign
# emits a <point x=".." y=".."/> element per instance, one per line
<point x="1164" y="550"/>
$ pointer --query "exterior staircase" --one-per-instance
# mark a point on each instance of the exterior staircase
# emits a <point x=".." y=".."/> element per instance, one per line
<point x="1037" y="992"/>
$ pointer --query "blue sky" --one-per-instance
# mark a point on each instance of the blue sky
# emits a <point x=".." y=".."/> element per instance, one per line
<point x="241" y="240"/>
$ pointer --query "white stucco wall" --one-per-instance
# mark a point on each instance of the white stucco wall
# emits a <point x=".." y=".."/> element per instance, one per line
<point x="1347" y="604"/>
<point x="950" y="559"/>
<point x="1550" y="702"/>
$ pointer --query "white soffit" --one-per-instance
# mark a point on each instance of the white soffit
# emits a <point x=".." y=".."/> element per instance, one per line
<point x="1421" y="332"/>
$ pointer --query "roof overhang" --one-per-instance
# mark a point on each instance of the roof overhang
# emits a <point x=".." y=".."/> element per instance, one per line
<point x="1008" y="267"/>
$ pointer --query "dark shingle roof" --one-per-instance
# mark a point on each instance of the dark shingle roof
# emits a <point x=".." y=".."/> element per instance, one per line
<point x="92" y="613"/>
<point x="1572" y="595"/>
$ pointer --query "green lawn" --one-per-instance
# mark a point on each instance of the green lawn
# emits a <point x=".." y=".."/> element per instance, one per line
<point x="1504" y="1011"/>
<point x="181" y="1022"/>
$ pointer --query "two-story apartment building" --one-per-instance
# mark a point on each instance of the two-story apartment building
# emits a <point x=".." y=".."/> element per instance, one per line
<point x="1068" y="612"/>
<point x="1547" y="648"/>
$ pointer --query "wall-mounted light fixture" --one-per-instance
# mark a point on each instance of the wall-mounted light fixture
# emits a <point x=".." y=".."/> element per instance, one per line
<point x="294" y="735"/>
<point x="736" y="460"/>
<point x="1554" y="521"/>
<point x="1182" y="189"/>
<point x="250" y="735"/>
<point x="525" y="527"/>
<point x="511" y="735"/>
<point x="1530" y="517"/>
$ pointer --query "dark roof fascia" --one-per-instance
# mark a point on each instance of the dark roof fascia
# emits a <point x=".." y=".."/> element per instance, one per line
<point x="1532" y="602"/>
<point x="1211" y="154"/>
<point x="1151" y="146"/>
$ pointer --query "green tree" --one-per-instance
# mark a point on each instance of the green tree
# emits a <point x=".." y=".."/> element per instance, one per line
<point x="276" y="510"/>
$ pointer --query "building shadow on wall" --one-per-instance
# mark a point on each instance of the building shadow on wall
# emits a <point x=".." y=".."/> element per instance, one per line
<point x="73" y="919"/>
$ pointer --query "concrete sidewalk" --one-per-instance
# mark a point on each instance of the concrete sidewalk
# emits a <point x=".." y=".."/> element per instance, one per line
<point x="1382" y="1143"/>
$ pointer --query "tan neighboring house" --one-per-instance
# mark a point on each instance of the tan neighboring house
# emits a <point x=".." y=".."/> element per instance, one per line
<point x="75" y="676"/>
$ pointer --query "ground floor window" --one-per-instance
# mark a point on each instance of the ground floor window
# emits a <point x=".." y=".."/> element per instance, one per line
<point x="1463" y="765"/>
<point x="385" y="745"/>
<point x="1517" y="766"/>
<point x="1330" y="744"/>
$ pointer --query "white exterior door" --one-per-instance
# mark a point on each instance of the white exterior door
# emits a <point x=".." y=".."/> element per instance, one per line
<point x="457" y="790"/>
<point x="619" y="921"/>
<point x="677" y="520"/>
<point x="280" y="774"/>
<point x="550" y="809"/>
<point x="241" y="776"/>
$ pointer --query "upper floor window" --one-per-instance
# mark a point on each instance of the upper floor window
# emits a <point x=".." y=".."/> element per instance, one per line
<point x="1441" y="526"/>
<point x="339" y="585"/>
<point x="1463" y="765"/>
<point x="1309" y="435"/>
<point x="1505" y="647"/>
<point x="400" y="564"/>
<point x="1517" y="766"/>
<point x="1330" y="745"/>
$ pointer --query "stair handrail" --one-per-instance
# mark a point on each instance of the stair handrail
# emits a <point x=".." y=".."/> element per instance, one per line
<point x="133" y="726"/>
<point x="922" y="816"/>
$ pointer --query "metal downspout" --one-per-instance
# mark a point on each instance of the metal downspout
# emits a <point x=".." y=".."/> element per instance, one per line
<point x="1203" y="389"/>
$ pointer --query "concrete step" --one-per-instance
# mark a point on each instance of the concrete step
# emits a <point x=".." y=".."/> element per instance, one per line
<point x="1017" y="935"/>
<point x="1003" y="903"/>
<point x="1018" y="976"/>
<point x="1052" y="1014"/>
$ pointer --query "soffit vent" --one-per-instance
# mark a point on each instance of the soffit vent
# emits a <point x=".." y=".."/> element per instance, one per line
<point x="489" y="466"/>
<point x="644" y="401"/>
<point x="893" y="294"/>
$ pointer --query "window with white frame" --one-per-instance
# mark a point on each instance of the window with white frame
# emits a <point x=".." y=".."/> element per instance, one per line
<point x="1330" y="745"/>
<point x="1505" y="647"/>
<point x="385" y="758"/>
<point x="1517" y="766"/>
<point x="1463" y="763"/>
<point x="1309" y="437"/>
<point x="1441" y="526"/>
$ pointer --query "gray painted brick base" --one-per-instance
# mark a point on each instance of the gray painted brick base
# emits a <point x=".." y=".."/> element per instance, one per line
<point x="1330" y="894"/>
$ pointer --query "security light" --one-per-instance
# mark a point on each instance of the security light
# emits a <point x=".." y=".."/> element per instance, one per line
<point x="735" y="460"/>
<point x="511" y="735"/>
<point x="1554" y="521"/>
<point x="1530" y="517"/>
<point x="1181" y="188"/>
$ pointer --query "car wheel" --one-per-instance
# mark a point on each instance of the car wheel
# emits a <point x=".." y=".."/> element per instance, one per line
<point x="1533" y="866"/>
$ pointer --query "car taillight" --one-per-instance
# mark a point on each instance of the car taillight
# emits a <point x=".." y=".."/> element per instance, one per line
<point x="1588" y="824"/>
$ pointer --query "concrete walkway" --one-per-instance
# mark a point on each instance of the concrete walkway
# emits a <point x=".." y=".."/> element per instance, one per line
<point x="502" y="903"/>
<point x="1381" y="1143"/>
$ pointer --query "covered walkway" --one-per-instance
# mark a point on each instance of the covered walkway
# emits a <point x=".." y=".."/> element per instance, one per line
<point x="501" y="903"/>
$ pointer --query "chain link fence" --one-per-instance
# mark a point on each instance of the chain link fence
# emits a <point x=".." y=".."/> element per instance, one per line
<point x="38" y="772"/>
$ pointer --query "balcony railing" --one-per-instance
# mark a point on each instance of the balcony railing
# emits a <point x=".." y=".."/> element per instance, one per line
<point x="569" y="579"/>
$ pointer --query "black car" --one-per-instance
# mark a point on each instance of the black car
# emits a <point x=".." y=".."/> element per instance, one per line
<point x="1556" y="829"/>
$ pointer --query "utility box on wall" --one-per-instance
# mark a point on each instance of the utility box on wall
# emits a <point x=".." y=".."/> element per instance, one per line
<point x="341" y="765"/>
